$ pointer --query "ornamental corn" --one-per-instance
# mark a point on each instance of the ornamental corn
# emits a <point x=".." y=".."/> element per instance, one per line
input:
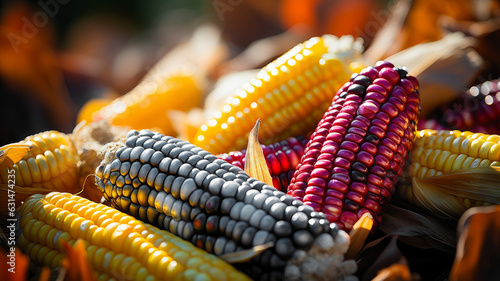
<point x="357" y="153"/>
<point x="118" y="246"/>
<point x="281" y="158"/>
<point x="289" y="95"/>
<point x="218" y="207"/>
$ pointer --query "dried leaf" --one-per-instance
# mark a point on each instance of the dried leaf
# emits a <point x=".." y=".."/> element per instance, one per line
<point x="246" y="255"/>
<point x="358" y="234"/>
<point x="76" y="263"/>
<point x="478" y="249"/>
<point x="439" y="194"/>
<point x="12" y="153"/>
<point x="20" y="266"/>
<point x="255" y="162"/>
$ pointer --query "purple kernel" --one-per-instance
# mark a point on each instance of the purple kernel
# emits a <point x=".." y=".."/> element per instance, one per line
<point x="383" y="64"/>
<point x="378" y="89"/>
<point x="377" y="131"/>
<point x="342" y="162"/>
<point x="320" y="173"/>
<point x="363" y="119"/>
<point x="373" y="188"/>
<point x="382" y="161"/>
<point x="351" y="146"/>
<point x="354" y="137"/>
<point x="330" y="149"/>
<point x="334" y="136"/>
<point x="384" y="83"/>
<point x="369" y="147"/>
<point x="379" y="123"/>
<point x="368" y="109"/>
<point x="316" y="186"/>
<point x="390" y="144"/>
<point x="343" y="177"/>
<point x="357" y="131"/>
<point x="362" y="80"/>
<point x="358" y="166"/>
<point x="398" y="103"/>
<point x="390" y="75"/>
<point x="347" y="154"/>
<point x="334" y="193"/>
<point x="397" y="129"/>
<point x="333" y="201"/>
<point x="384" y="117"/>
<point x="313" y="198"/>
<point x="394" y="137"/>
<point x="374" y="96"/>
<point x="365" y="158"/>
<point x="338" y="185"/>
<point x="354" y="98"/>
<point x="359" y="188"/>
<point x="356" y="197"/>
<point x="390" y="109"/>
<point x="370" y="72"/>
<point x="359" y="124"/>
<point x="387" y="152"/>
<point x="414" y="81"/>
<point x="407" y="85"/>
<point x="325" y="164"/>
<point x="376" y="180"/>
<point x="400" y="93"/>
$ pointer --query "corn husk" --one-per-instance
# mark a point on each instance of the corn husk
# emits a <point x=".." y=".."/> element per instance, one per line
<point x="440" y="194"/>
<point x="255" y="162"/>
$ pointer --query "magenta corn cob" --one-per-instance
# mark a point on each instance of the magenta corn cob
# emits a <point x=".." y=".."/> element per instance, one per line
<point x="281" y="158"/>
<point x="357" y="152"/>
<point x="477" y="110"/>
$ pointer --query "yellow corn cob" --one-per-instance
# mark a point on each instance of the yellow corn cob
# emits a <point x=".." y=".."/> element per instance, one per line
<point x="289" y="95"/>
<point x="147" y="105"/>
<point x="118" y="246"/>
<point x="438" y="152"/>
<point x="50" y="164"/>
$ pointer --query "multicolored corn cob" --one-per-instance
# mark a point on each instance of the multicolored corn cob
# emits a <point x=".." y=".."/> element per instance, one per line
<point x="357" y="153"/>
<point x="147" y="105"/>
<point x="281" y="158"/>
<point x="49" y="165"/>
<point x="476" y="110"/>
<point x="118" y="246"/>
<point x="439" y="152"/>
<point x="218" y="207"/>
<point x="289" y="95"/>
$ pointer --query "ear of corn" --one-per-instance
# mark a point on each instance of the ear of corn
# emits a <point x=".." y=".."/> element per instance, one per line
<point x="476" y="110"/>
<point x="218" y="207"/>
<point x="442" y="169"/>
<point x="281" y="158"/>
<point x="289" y="95"/>
<point x="147" y="105"/>
<point x="356" y="155"/>
<point x="118" y="246"/>
<point x="49" y="164"/>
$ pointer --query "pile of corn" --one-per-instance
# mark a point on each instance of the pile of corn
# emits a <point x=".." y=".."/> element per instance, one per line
<point x="336" y="141"/>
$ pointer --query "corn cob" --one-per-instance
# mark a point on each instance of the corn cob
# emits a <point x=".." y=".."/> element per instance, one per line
<point x="281" y="158"/>
<point x="49" y="165"/>
<point x="118" y="246"/>
<point x="289" y="95"/>
<point x="147" y="105"/>
<point x="357" y="153"/>
<point x="476" y="110"/>
<point x="439" y="152"/>
<point x="218" y="207"/>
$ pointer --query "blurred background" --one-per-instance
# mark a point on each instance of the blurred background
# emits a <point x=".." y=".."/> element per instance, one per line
<point x="56" y="55"/>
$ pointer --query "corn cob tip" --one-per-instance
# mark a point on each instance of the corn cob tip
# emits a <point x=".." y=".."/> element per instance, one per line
<point x="216" y="206"/>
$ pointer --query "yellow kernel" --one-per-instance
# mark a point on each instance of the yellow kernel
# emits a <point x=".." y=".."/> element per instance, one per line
<point x="43" y="233"/>
<point x="485" y="163"/>
<point x="448" y="164"/>
<point x="494" y="154"/>
<point x="457" y="164"/>
<point x="36" y="175"/>
<point x="98" y="260"/>
<point x="443" y="156"/>
<point x="475" y="145"/>
<point x="98" y="237"/>
<point x="49" y="257"/>
<point x="485" y="149"/>
<point x="476" y="163"/>
<point x="157" y="261"/>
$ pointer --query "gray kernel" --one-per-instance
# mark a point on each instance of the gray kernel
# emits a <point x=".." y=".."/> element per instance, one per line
<point x="325" y="223"/>
<point x="276" y="262"/>
<point x="195" y="196"/>
<point x="146" y="133"/>
<point x="207" y="180"/>
<point x="229" y="189"/>
<point x="256" y="217"/>
<point x="203" y="199"/>
<point x="113" y="176"/>
<point x="180" y="228"/>
<point x="157" y="136"/>
<point x="159" y="179"/>
<point x="247" y="236"/>
<point x="284" y="247"/>
<point x="128" y="179"/>
<point x="168" y="182"/>
<point x="196" y="150"/>
<point x="211" y="168"/>
<point x="142" y="195"/>
<point x="175" y="152"/>
<point x="193" y="173"/>
<point x="199" y="222"/>
<point x="200" y="177"/>
<point x="212" y="225"/>
<point x="167" y="138"/>
<point x="120" y="181"/>
<point x="185" y="211"/>
<point x="220" y="173"/>
<point x="278" y="210"/>
<point x="143" y="216"/>
<point x="149" y="143"/>
<point x="127" y="190"/>
<point x="219" y="246"/>
<point x="159" y="200"/>
<point x="230" y="247"/>
<point x="130" y="142"/>
<point x="151" y="197"/>
<point x="119" y="152"/>
<point x="226" y="205"/>
<point x="202" y="164"/>
<point x="166" y="222"/>
<point x="106" y="172"/>
<point x="193" y="159"/>
<point x="258" y="200"/>
<point x="282" y="228"/>
<point x="188" y="146"/>
<point x="152" y="214"/>
<point x="299" y="220"/>
<point x="215" y="186"/>
<point x="257" y="185"/>
<point x="174" y="166"/>
<point x="188" y="231"/>
<point x="229" y="228"/>
<point x="187" y="187"/>
<point x="125" y="155"/>
<point x="143" y="172"/>
<point x="260" y="238"/>
<point x="236" y="210"/>
<point x="267" y="223"/>
<point x="146" y="155"/>
<point x="159" y="222"/>
<point x="133" y="196"/>
<point x="314" y="226"/>
<point x="239" y="181"/>
<point x="136" y="153"/>
<point x="213" y="205"/>
<point x="229" y="176"/>
<point x="237" y="170"/>
<point x="246" y="212"/>
<point x="167" y="204"/>
<point x="167" y="148"/>
<point x="269" y="202"/>
<point x="250" y="195"/>
<point x="268" y="192"/>
<point x="152" y="176"/>
<point x="184" y="155"/>
<point x="125" y="168"/>
<point x="225" y="165"/>
<point x="134" y="169"/>
<point x="136" y="182"/>
<point x="297" y="203"/>
<point x="222" y="224"/>
<point x="203" y="153"/>
<point x="209" y="244"/>
<point x="278" y="193"/>
<point x="141" y="140"/>
<point x="334" y="229"/>
<point x="175" y="212"/>
<point x="302" y="239"/>
<point x="115" y="165"/>
<point x="176" y="186"/>
<point x="156" y="158"/>
<point x="308" y="210"/>
<point x="287" y="199"/>
<point x="173" y="225"/>
<point x="194" y="212"/>
<point x="158" y="145"/>
<point x="238" y="229"/>
<point x="134" y="210"/>
<point x="289" y="212"/>
<point x="184" y="170"/>
<point x="124" y="203"/>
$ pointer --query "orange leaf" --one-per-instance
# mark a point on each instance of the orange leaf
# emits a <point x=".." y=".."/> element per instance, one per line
<point x="76" y="263"/>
